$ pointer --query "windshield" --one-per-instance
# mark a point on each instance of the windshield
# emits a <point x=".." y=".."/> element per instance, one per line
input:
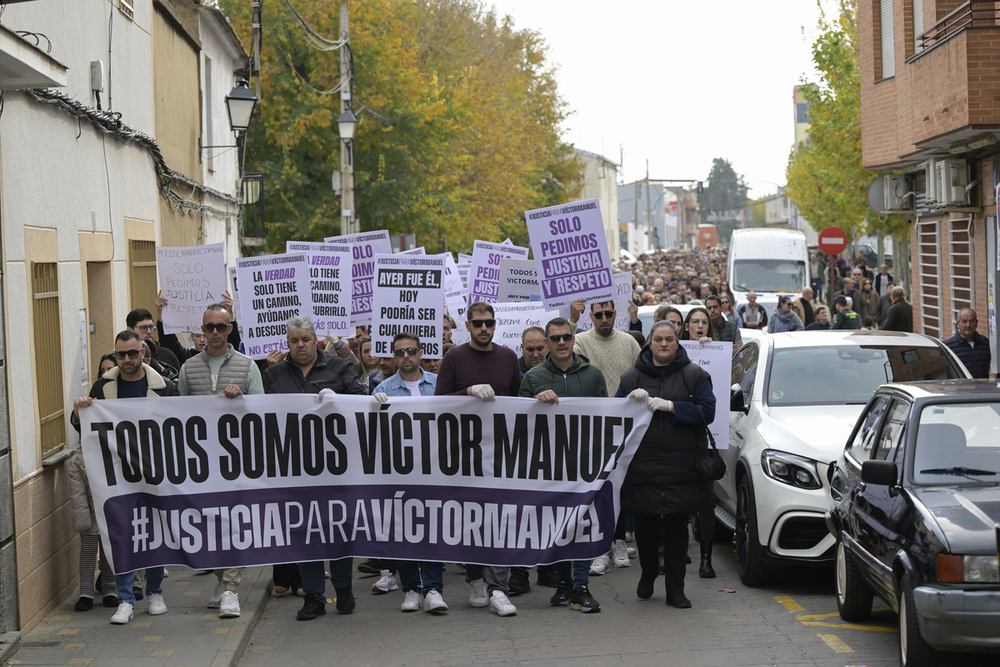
<point x="843" y="374"/>
<point x="958" y="442"/>
<point x="768" y="275"/>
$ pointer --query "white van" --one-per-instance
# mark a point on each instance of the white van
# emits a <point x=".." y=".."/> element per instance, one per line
<point x="770" y="262"/>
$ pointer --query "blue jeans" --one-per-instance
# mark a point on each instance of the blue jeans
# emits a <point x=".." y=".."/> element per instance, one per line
<point x="577" y="571"/>
<point x="314" y="581"/>
<point x="124" y="583"/>
<point x="496" y="577"/>
<point x="817" y="285"/>
<point x="412" y="573"/>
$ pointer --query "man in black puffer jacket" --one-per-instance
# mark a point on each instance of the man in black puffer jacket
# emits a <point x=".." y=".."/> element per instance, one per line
<point x="661" y="487"/>
<point x="972" y="347"/>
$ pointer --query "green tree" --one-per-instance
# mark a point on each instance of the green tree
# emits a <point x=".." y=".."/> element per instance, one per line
<point x="826" y="179"/>
<point x="476" y="121"/>
<point x="723" y="198"/>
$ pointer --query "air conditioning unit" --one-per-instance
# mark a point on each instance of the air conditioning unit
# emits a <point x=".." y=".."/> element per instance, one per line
<point x="893" y="189"/>
<point x="930" y="183"/>
<point x="951" y="182"/>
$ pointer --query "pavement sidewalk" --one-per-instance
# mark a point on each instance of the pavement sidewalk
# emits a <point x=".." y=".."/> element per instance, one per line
<point x="189" y="635"/>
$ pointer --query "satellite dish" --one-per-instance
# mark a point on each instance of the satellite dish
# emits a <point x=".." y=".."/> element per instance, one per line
<point x="876" y="195"/>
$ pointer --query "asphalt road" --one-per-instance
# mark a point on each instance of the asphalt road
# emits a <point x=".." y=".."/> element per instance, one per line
<point x="789" y="624"/>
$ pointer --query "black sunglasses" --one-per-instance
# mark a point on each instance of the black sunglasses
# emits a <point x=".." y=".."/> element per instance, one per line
<point x="566" y="337"/>
<point x="478" y="323"/>
<point x="131" y="354"/>
<point x="209" y="328"/>
<point x="412" y="351"/>
<point x="599" y="314"/>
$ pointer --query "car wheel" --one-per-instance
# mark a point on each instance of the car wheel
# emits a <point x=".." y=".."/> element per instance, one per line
<point x="752" y="570"/>
<point x="854" y="598"/>
<point x="913" y="650"/>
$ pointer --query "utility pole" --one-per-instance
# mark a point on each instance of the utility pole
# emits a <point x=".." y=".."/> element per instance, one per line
<point x="636" y="218"/>
<point x="649" y="213"/>
<point x="346" y="147"/>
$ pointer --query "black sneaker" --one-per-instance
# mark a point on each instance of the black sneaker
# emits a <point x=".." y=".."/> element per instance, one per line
<point x="310" y="610"/>
<point x="582" y="600"/>
<point x="518" y="582"/>
<point x="370" y="566"/>
<point x="678" y="599"/>
<point x="562" y="595"/>
<point x="84" y="604"/>
<point x="111" y="601"/>
<point x="548" y="577"/>
<point x="345" y="600"/>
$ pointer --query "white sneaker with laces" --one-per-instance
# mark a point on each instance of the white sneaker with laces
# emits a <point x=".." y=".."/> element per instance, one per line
<point x="386" y="583"/>
<point x="630" y="551"/>
<point x="600" y="565"/>
<point x="230" y="605"/>
<point x="411" y="601"/>
<point x="500" y="605"/>
<point x="123" y="615"/>
<point x="477" y="593"/>
<point x="434" y="603"/>
<point x="156" y="605"/>
<point x="619" y="553"/>
<point x="215" y="601"/>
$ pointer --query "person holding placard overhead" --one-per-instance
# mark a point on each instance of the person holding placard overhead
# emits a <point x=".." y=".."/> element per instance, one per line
<point x="485" y="370"/>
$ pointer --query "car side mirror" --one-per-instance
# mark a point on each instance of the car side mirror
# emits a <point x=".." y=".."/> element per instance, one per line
<point x="883" y="473"/>
<point x="737" y="400"/>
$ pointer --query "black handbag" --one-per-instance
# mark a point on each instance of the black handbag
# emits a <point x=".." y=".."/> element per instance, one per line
<point x="708" y="464"/>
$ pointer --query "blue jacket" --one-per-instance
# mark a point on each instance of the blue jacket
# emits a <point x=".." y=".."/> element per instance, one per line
<point x="976" y="359"/>
<point x="395" y="386"/>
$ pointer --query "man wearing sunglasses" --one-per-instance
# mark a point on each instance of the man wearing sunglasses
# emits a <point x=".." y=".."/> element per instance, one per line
<point x="130" y="379"/>
<point x="482" y="369"/>
<point x="565" y="374"/>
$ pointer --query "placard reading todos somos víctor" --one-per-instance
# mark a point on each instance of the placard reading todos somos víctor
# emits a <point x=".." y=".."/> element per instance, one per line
<point x="364" y="247"/>
<point x="408" y="297"/>
<point x="571" y="251"/>
<point x="519" y="280"/>
<point x="191" y="279"/>
<point x="329" y="285"/>
<point x="274" y="288"/>
<point x="484" y="278"/>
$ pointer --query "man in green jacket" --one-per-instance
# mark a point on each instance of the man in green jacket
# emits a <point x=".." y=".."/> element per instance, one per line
<point x="566" y="374"/>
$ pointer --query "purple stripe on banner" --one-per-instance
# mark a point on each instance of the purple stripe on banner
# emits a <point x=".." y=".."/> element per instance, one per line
<point x="285" y="525"/>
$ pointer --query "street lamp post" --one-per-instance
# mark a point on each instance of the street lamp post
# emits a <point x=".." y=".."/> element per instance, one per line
<point x="346" y="124"/>
<point x="240" y="105"/>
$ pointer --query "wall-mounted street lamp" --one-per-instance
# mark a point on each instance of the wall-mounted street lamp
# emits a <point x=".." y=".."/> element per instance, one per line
<point x="240" y="105"/>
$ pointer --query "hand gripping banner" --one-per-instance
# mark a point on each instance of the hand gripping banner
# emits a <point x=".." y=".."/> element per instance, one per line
<point x="210" y="482"/>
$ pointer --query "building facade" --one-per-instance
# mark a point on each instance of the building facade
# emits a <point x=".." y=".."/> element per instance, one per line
<point x="600" y="181"/>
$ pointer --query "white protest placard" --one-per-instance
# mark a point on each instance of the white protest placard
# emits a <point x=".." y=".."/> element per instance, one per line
<point x="571" y="251"/>
<point x="452" y="281"/>
<point x="484" y="276"/>
<point x="275" y="288"/>
<point x="623" y="297"/>
<point x="330" y="267"/>
<point x="235" y="291"/>
<point x="519" y="280"/>
<point x="409" y="297"/>
<point x="191" y="279"/>
<point x="413" y="251"/>
<point x="457" y="306"/>
<point x="364" y="247"/>
<point x="716" y="358"/>
<point x="464" y="258"/>
<point x="514" y="318"/>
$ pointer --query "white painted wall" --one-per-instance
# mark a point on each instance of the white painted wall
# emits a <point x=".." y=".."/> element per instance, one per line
<point x="601" y="182"/>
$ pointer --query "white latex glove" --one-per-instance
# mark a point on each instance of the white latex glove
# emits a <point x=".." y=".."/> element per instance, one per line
<point x="325" y="392"/>
<point x="381" y="397"/>
<point x="655" y="404"/>
<point x="483" y="392"/>
<point x="639" y="395"/>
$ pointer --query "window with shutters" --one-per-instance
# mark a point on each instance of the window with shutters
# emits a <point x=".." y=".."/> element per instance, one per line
<point x="142" y="275"/>
<point x="887" y="49"/>
<point x="929" y="278"/>
<point x="48" y="356"/>
<point x="963" y="292"/>
<point x="918" y="24"/>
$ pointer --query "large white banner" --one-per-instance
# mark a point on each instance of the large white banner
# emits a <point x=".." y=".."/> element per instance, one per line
<point x="571" y="251"/>
<point x="409" y="297"/>
<point x="273" y="289"/>
<point x="717" y="359"/>
<point x="623" y="297"/>
<point x="514" y="318"/>
<point x="364" y="247"/>
<point x="210" y="482"/>
<point x="191" y="279"/>
<point x="330" y="285"/>
<point x="484" y="277"/>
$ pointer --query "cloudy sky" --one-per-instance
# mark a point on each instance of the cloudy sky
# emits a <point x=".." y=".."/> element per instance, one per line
<point x="679" y="83"/>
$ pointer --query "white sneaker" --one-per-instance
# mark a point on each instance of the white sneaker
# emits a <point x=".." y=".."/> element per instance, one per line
<point x="123" y="615"/>
<point x="411" y="601"/>
<point x="230" y="605"/>
<point x="386" y="583"/>
<point x="215" y="601"/>
<point x="619" y="553"/>
<point x="630" y="536"/>
<point x="156" y="605"/>
<point x="630" y="551"/>
<point x="434" y="603"/>
<point x="600" y="565"/>
<point x="477" y="593"/>
<point x="501" y="605"/>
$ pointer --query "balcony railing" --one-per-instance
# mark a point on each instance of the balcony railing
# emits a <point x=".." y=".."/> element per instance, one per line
<point x="253" y="206"/>
<point x="970" y="14"/>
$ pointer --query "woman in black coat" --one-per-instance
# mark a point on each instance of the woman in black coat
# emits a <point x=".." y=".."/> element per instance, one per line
<point x="661" y="487"/>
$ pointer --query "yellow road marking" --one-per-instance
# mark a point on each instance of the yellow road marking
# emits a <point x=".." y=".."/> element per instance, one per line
<point x="811" y="617"/>
<point x="834" y="642"/>
<point x="789" y="603"/>
<point x="850" y="626"/>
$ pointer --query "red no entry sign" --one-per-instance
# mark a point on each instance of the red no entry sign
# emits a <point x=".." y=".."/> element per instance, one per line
<point x="833" y="240"/>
